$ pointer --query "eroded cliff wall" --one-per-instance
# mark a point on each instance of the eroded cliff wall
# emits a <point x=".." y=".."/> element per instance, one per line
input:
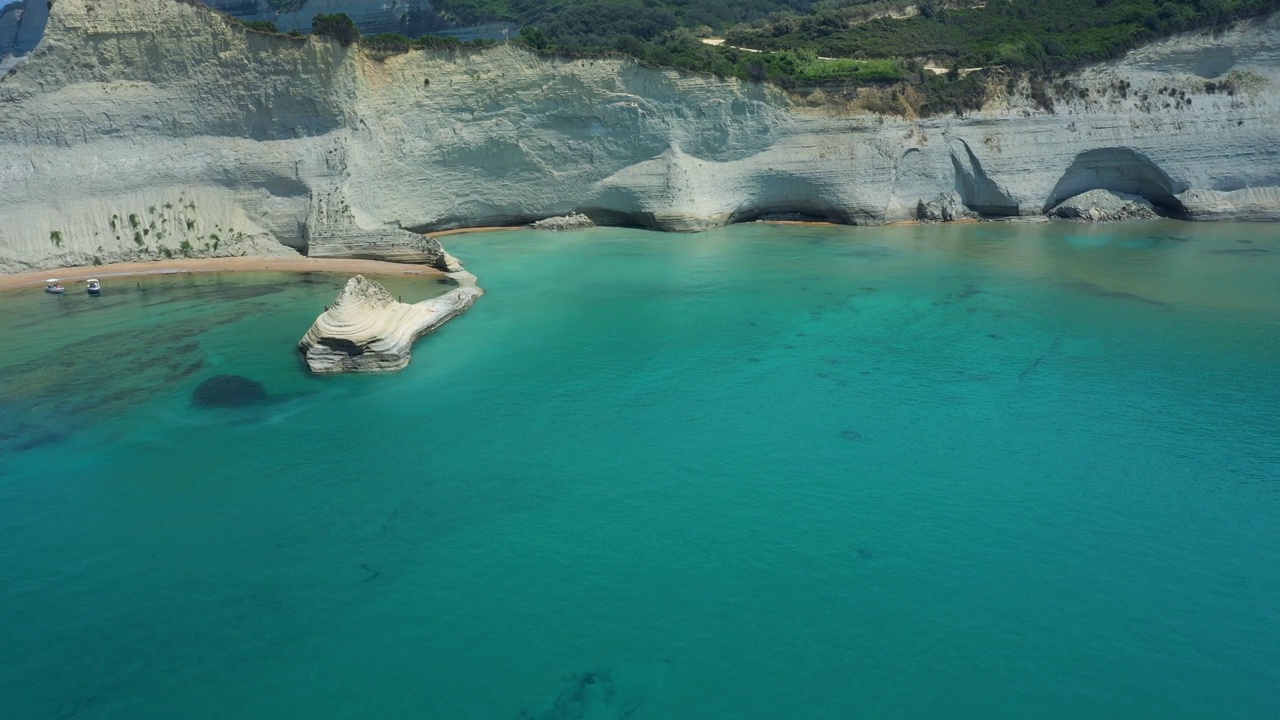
<point x="146" y="128"/>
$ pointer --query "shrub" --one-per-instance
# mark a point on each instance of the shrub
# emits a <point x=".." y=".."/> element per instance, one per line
<point x="387" y="44"/>
<point x="435" y="41"/>
<point x="534" y="38"/>
<point x="265" y="26"/>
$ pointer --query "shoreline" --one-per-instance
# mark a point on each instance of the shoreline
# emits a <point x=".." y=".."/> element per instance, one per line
<point x="185" y="266"/>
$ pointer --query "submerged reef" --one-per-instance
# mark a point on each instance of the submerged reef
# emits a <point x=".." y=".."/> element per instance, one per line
<point x="228" y="391"/>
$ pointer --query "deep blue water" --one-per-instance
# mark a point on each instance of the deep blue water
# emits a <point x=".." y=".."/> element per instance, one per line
<point x="987" y="471"/>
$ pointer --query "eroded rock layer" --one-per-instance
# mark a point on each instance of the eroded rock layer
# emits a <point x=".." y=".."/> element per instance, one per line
<point x="148" y="128"/>
<point x="367" y="330"/>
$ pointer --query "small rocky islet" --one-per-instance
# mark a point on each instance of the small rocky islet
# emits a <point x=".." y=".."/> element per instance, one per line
<point x="367" y="329"/>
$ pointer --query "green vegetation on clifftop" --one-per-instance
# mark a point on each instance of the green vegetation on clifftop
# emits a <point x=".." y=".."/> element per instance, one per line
<point x="607" y="18"/>
<point x="839" y="47"/>
<point x="1031" y="34"/>
<point x="852" y="43"/>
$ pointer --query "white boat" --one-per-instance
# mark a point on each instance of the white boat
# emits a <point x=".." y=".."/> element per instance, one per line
<point x="53" y="286"/>
<point x="94" y="287"/>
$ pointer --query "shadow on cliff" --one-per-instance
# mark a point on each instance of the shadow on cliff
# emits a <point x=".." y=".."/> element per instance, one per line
<point x="620" y="207"/>
<point x="785" y="194"/>
<point x="977" y="190"/>
<point x="1119" y="170"/>
<point x="779" y="196"/>
<point x="22" y="26"/>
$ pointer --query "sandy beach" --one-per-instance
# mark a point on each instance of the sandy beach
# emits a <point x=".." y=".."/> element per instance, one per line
<point x="205" y="265"/>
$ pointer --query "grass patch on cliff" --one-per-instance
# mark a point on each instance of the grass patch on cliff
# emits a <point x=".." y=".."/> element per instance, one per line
<point x="599" y="22"/>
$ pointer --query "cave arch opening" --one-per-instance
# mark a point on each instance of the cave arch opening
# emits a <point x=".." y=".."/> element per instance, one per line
<point x="1120" y="170"/>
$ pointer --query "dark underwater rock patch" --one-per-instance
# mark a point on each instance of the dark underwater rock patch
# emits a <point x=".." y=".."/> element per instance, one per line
<point x="1241" y="251"/>
<point x="228" y="391"/>
<point x="591" y="695"/>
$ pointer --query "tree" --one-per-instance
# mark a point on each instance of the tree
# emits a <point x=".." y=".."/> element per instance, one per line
<point x="338" y="26"/>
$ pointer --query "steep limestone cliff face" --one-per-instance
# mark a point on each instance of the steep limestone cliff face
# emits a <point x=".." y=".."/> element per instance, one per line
<point x="165" y="111"/>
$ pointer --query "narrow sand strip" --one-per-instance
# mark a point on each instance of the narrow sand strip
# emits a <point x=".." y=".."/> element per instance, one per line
<point x="818" y="223"/>
<point x="479" y="229"/>
<point x="206" y="265"/>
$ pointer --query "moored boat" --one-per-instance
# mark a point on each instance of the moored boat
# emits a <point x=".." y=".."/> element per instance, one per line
<point x="94" y="287"/>
<point x="53" y="286"/>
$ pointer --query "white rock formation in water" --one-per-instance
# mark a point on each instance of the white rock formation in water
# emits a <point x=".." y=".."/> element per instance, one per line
<point x="145" y="128"/>
<point x="367" y="330"/>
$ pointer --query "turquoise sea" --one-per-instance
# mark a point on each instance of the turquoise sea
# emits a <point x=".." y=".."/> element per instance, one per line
<point x="980" y="471"/>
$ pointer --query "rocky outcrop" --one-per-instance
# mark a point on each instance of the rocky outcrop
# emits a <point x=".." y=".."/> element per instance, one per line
<point x="387" y="244"/>
<point x="367" y="330"/>
<point x="1105" y="206"/>
<point x="947" y="207"/>
<point x="143" y="108"/>
<point x="572" y="221"/>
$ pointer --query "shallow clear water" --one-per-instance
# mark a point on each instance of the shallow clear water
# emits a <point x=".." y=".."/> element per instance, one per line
<point x="767" y="471"/>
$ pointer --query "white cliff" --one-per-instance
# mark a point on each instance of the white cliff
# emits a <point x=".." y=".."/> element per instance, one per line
<point x="367" y="330"/>
<point x="220" y="140"/>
